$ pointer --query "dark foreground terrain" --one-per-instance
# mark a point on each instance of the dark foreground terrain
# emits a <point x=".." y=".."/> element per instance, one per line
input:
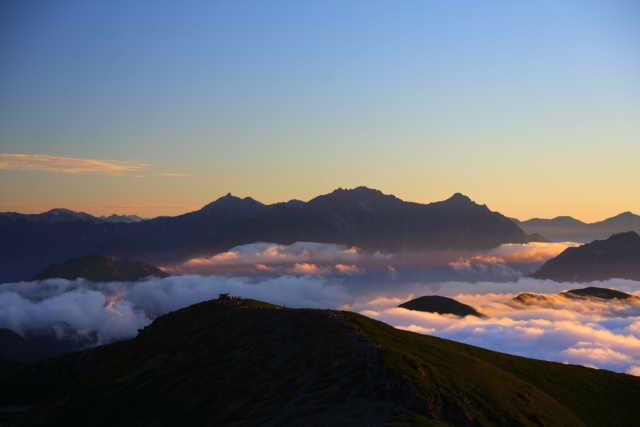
<point x="252" y="363"/>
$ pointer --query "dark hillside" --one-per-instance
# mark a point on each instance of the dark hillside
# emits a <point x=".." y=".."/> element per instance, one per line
<point x="251" y="363"/>
<point x="440" y="305"/>
<point x="616" y="257"/>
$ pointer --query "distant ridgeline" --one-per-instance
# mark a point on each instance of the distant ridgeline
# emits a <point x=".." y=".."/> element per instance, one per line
<point x="616" y="257"/>
<point x="359" y="217"/>
<point x="567" y="229"/>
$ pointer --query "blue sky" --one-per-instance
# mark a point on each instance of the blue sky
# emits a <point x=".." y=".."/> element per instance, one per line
<point x="531" y="107"/>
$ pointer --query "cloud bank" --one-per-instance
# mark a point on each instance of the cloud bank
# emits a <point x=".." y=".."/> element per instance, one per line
<point x="506" y="262"/>
<point x="596" y="334"/>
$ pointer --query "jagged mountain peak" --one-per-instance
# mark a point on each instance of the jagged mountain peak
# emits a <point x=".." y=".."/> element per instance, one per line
<point x="357" y="192"/>
<point x="356" y="195"/>
<point x="230" y="200"/>
<point x="460" y="198"/>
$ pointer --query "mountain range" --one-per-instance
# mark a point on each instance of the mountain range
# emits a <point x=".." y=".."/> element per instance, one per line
<point x="246" y="362"/>
<point x="615" y="257"/>
<point x="359" y="217"/>
<point x="568" y="229"/>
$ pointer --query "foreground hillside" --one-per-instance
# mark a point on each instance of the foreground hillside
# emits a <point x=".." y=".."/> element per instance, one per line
<point x="251" y="363"/>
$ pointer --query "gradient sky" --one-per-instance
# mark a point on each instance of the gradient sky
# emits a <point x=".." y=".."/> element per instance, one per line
<point x="157" y="108"/>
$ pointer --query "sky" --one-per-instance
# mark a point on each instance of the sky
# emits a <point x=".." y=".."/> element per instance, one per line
<point x="158" y="108"/>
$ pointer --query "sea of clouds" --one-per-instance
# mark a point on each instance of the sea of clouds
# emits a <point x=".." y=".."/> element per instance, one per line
<point x="599" y="334"/>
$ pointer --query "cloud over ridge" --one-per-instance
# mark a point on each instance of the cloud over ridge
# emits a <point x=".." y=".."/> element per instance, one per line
<point x="590" y="333"/>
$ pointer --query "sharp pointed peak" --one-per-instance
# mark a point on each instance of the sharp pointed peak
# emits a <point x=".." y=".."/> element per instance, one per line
<point x="230" y="199"/>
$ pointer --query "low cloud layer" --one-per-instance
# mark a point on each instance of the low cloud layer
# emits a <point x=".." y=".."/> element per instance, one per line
<point x="506" y="262"/>
<point x="597" y="334"/>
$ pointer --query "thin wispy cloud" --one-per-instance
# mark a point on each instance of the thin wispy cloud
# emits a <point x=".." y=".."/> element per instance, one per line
<point x="173" y="174"/>
<point x="73" y="165"/>
<point x="46" y="163"/>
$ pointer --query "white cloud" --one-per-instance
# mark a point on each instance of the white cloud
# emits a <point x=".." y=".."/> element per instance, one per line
<point x="591" y="333"/>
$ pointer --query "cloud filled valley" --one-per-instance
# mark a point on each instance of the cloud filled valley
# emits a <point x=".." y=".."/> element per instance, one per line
<point x="506" y="262"/>
<point x="596" y="333"/>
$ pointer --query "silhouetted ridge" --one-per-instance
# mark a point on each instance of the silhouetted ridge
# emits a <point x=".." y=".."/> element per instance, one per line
<point x="360" y="217"/>
<point x="566" y="228"/>
<point x="616" y="257"/>
<point x="230" y="201"/>
<point x="53" y="216"/>
<point x="440" y="305"/>
<point x="460" y="199"/>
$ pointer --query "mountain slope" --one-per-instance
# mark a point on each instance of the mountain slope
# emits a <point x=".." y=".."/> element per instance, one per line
<point x="220" y="363"/>
<point x="616" y="257"/>
<point x="101" y="268"/>
<point x="54" y="216"/>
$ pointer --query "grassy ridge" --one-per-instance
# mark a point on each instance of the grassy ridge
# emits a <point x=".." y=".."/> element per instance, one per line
<point x="499" y="389"/>
<point x="254" y="363"/>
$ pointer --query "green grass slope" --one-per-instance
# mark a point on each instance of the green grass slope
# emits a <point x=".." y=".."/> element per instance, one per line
<point x="220" y="363"/>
